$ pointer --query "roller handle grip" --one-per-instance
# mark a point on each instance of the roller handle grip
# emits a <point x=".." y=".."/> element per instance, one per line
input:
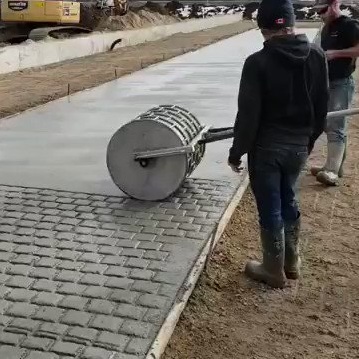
<point x="217" y="134"/>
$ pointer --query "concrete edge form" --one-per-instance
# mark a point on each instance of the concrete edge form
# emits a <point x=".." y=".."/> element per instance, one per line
<point x="165" y="333"/>
<point x="20" y="57"/>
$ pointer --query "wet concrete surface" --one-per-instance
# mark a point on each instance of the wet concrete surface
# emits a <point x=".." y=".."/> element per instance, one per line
<point x="62" y="145"/>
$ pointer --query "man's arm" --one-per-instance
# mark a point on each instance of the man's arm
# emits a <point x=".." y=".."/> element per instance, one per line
<point x="320" y="104"/>
<point x="351" y="52"/>
<point x="249" y="111"/>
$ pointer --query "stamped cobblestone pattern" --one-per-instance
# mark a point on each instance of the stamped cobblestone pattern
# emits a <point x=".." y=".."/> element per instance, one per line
<point x="91" y="276"/>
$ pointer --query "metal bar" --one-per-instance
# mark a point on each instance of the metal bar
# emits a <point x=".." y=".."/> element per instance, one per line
<point x="349" y="112"/>
<point x="162" y="152"/>
<point x="219" y="134"/>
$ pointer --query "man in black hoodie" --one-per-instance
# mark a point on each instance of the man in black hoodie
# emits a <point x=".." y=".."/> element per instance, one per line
<point x="282" y="108"/>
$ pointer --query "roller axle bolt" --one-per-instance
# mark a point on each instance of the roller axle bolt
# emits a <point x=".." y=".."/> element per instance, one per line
<point x="143" y="162"/>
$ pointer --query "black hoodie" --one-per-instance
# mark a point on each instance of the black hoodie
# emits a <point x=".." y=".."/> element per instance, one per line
<point x="283" y="96"/>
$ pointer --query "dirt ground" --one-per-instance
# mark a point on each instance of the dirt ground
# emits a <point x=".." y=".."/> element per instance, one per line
<point x="22" y="90"/>
<point x="135" y="20"/>
<point x="149" y="14"/>
<point x="229" y="316"/>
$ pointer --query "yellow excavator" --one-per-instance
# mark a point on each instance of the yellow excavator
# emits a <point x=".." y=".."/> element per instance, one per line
<point x="38" y="19"/>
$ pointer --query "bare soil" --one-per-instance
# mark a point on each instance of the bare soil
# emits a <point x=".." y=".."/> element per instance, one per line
<point x="22" y="90"/>
<point x="149" y="14"/>
<point x="229" y="316"/>
<point x="135" y="20"/>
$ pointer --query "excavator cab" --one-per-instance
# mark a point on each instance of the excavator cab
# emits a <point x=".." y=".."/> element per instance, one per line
<point x="38" y="19"/>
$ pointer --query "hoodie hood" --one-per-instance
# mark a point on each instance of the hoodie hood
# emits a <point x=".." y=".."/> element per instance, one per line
<point x="292" y="48"/>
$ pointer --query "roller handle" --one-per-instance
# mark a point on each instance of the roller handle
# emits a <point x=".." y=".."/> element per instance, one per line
<point x="217" y="134"/>
<point x="223" y="133"/>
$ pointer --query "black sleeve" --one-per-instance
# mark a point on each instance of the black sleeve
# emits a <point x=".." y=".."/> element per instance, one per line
<point x="352" y="32"/>
<point x="321" y="100"/>
<point x="249" y="110"/>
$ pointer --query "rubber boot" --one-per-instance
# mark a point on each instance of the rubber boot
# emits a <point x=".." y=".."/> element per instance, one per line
<point x="316" y="169"/>
<point x="271" y="271"/>
<point x="292" y="260"/>
<point x="341" y="169"/>
<point x="330" y="176"/>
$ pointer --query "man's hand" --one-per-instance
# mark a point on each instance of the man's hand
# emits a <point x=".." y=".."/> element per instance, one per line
<point x="235" y="168"/>
<point x="331" y="54"/>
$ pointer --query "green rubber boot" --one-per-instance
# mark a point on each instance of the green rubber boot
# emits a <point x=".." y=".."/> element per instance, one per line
<point x="271" y="271"/>
<point x="292" y="260"/>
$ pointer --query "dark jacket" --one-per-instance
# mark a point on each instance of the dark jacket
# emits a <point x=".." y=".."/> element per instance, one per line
<point x="283" y="96"/>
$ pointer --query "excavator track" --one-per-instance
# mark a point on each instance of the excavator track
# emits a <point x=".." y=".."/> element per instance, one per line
<point x="57" y="32"/>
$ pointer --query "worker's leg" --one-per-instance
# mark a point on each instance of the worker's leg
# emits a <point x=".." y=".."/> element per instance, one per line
<point x="291" y="169"/>
<point x="341" y="96"/>
<point x="265" y="177"/>
<point x="351" y="91"/>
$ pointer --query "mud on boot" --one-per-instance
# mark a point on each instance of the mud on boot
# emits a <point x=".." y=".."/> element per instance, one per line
<point x="328" y="178"/>
<point x="292" y="261"/>
<point x="316" y="169"/>
<point x="271" y="270"/>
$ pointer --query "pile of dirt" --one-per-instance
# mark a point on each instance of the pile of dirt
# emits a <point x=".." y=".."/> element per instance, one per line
<point x="150" y="14"/>
<point x="135" y="19"/>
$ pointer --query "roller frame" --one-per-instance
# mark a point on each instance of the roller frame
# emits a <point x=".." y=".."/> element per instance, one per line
<point x="162" y="152"/>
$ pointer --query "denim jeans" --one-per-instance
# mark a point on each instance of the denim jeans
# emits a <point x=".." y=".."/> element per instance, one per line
<point x="273" y="174"/>
<point x="340" y="98"/>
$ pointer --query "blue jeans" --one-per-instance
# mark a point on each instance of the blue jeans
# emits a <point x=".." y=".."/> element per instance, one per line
<point x="340" y="98"/>
<point x="273" y="174"/>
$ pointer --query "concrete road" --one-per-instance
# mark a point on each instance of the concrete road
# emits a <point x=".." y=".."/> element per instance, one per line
<point x="62" y="145"/>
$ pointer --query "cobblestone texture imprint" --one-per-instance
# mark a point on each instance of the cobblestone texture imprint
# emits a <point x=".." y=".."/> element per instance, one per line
<point x="90" y="276"/>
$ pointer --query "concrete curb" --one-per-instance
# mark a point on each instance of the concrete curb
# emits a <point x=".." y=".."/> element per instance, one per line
<point x="24" y="56"/>
<point x="165" y="333"/>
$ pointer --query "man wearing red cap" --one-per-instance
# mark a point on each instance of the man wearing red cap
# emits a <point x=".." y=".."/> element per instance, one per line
<point x="282" y="107"/>
<point x="340" y="40"/>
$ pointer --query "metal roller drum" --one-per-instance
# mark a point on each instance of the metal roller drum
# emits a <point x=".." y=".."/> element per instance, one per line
<point x="165" y="127"/>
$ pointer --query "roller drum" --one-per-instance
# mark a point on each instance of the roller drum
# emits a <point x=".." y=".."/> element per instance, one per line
<point x="162" y="127"/>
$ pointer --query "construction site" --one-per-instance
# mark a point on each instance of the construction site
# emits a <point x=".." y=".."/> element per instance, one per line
<point x="89" y="271"/>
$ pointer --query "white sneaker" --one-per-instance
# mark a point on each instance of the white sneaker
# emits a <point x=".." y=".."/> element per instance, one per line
<point x="328" y="178"/>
